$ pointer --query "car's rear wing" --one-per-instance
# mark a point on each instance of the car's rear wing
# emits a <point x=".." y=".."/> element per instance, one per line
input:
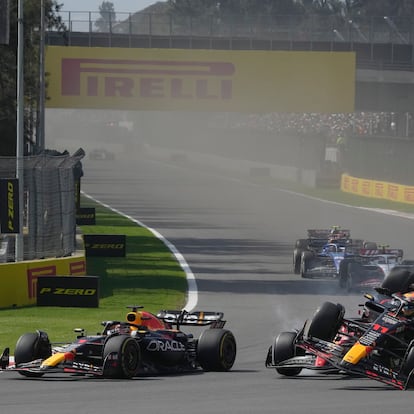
<point x="376" y="252"/>
<point x="326" y="233"/>
<point x="317" y="243"/>
<point x="198" y="318"/>
<point x="318" y="233"/>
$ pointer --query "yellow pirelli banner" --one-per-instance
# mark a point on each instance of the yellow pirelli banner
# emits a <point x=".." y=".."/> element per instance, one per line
<point x="19" y="280"/>
<point x="200" y="80"/>
<point x="377" y="189"/>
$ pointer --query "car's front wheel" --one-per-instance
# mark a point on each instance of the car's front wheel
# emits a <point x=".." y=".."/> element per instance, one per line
<point x="304" y="264"/>
<point x="122" y="357"/>
<point x="296" y="261"/>
<point x="29" y="347"/>
<point x="284" y="348"/>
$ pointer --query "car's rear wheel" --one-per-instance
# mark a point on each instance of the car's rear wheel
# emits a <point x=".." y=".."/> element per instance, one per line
<point x="122" y="357"/>
<point x="284" y="348"/>
<point x="326" y="321"/>
<point x="216" y="350"/>
<point x="29" y="347"/>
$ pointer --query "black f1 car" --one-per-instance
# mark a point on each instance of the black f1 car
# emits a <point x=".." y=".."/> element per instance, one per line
<point x="320" y="254"/>
<point x="316" y="239"/>
<point x="368" y="267"/>
<point x="378" y="345"/>
<point x="144" y="344"/>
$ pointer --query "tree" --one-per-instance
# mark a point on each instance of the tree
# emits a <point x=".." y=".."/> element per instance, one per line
<point x="108" y="17"/>
<point x="8" y="71"/>
<point x="367" y="8"/>
<point x="234" y="7"/>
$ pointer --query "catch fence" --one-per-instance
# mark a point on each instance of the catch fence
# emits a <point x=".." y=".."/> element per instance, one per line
<point x="50" y="205"/>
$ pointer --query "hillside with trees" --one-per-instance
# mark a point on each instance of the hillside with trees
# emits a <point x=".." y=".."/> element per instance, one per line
<point x="224" y="10"/>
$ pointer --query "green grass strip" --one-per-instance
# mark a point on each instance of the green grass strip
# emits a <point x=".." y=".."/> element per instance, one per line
<point x="149" y="275"/>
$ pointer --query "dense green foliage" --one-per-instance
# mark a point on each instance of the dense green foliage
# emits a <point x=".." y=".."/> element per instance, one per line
<point x="108" y="16"/>
<point x="8" y="70"/>
<point x="345" y="8"/>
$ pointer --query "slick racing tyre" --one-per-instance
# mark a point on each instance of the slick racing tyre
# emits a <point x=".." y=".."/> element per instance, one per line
<point x="349" y="275"/>
<point x="297" y="253"/>
<point x="343" y="274"/>
<point x="408" y="366"/>
<point x="326" y="321"/>
<point x="284" y="348"/>
<point x="398" y="280"/>
<point x="31" y="346"/>
<point x="127" y="357"/>
<point x="216" y="350"/>
<point x="306" y="257"/>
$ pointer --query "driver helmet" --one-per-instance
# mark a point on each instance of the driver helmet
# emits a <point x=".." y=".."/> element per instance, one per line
<point x="135" y="318"/>
<point x="408" y="310"/>
<point x="330" y="248"/>
<point x="409" y="297"/>
<point x="120" y="328"/>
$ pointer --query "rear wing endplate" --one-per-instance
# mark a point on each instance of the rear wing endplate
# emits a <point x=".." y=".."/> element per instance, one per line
<point x="198" y="318"/>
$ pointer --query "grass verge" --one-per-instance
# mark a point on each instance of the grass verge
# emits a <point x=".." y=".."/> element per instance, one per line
<point x="149" y="275"/>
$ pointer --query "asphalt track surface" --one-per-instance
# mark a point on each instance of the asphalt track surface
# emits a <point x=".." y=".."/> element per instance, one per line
<point x="237" y="237"/>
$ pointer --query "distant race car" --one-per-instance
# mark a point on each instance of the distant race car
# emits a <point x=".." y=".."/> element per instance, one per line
<point x="314" y="243"/>
<point x="327" y="262"/>
<point x="144" y="344"/>
<point x="368" y="268"/>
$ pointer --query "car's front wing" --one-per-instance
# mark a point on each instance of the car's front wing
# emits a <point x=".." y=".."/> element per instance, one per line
<point x="333" y="353"/>
<point x="305" y="362"/>
<point x="70" y="367"/>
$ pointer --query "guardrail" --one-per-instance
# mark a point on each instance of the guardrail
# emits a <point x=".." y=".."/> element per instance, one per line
<point x="377" y="29"/>
<point x="378" y="45"/>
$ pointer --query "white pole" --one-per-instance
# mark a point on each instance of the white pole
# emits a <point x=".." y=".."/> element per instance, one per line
<point x="41" y="138"/>
<point x="20" y="130"/>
